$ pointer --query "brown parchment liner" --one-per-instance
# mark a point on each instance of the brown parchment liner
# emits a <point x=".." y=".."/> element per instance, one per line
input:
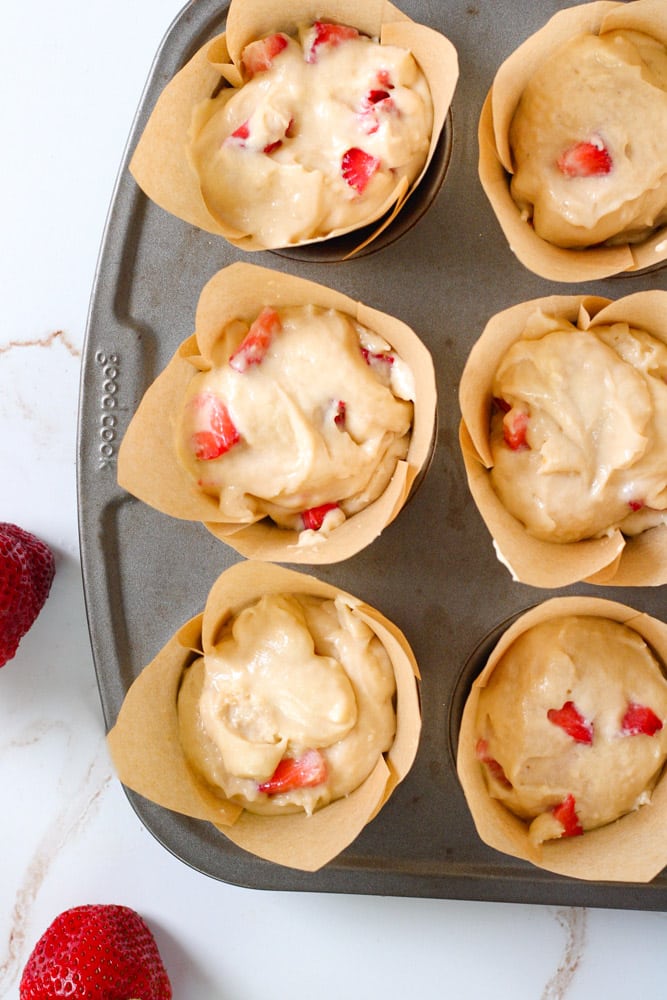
<point x="160" y="163"/>
<point x="614" y="560"/>
<point x="634" y="847"/>
<point x="495" y="158"/>
<point x="148" y="465"/>
<point x="147" y="755"/>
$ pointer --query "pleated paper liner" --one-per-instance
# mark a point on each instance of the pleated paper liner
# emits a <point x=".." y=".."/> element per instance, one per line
<point x="614" y="560"/>
<point x="495" y="158"/>
<point x="631" y="849"/>
<point x="148" y="466"/>
<point x="148" y="758"/>
<point x="160" y="163"/>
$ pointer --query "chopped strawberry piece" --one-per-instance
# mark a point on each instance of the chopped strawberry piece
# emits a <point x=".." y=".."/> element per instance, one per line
<point x="375" y="102"/>
<point x="636" y="504"/>
<point x="502" y="404"/>
<point x="241" y="133"/>
<point x="640" y="721"/>
<point x="358" y="167"/>
<point x="219" y="434"/>
<point x="258" y="56"/>
<point x="376" y="97"/>
<point x="339" y="415"/>
<point x="271" y="147"/>
<point x="585" y="159"/>
<point x="515" y="428"/>
<point x="314" y="516"/>
<point x="328" y="34"/>
<point x="566" y="815"/>
<point x="384" y="356"/>
<point x="256" y="342"/>
<point x="306" y="771"/>
<point x="570" y="719"/>
<point x="384" y="79"/>
<point x="495" y="769"/>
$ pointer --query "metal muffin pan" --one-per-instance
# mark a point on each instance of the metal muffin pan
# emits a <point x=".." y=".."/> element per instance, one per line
<point x="433" y="571"/>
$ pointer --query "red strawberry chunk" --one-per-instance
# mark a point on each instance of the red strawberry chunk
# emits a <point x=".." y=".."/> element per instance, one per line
<point x="258" y="56"/>
<point x="357" y="168"/>
<point x="328" y="34"/>
<point x="218" y="433"/>
<point x="100" y="952"/>
<point x="384" y="357"/>
<point x="339" y="414"/>
<point x="515" y="429"/>
<point x="306" y="771"/>
<point x="313" y="518"/>
<point x="375" y="102"/>
<point x="570" y="719"/>
<point x="241" y="134"/>
<point x="636" y="504"/>
<point x="376" y="97"/>
<point x="27" y="568"/>
<point x="585" y="159"/>
<point x="256" y="342"/>
<point x="384" y="79"/>
<point x="566" y="814"/>
<point x="640" y="721"/>
<point x="495" y="769"/>
<point x="502" y="404"/>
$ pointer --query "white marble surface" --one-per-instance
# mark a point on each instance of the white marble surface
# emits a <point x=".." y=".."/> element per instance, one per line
<point x="72" y="75"/>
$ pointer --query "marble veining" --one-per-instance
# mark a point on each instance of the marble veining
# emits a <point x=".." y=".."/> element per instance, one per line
<point x="79" y="803"/>
<point x="573" y="921"/>
<point x="58" y="336"/>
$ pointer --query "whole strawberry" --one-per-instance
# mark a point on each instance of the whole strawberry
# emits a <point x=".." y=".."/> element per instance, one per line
<point x="96" y="952"/>
<point x="27" y="568"/>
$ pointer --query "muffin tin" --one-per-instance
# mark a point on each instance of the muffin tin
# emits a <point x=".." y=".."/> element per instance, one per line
<point x="433" y="571"/>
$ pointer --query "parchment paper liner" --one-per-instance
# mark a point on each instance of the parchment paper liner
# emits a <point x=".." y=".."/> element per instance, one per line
<point x="149" y="468"/>
<point x="495" y="159"/>
<point x="614" y="560"/>
<point x="146" y="751"/>
<point x="160" y="163"/>
<point x="632" y="849"/>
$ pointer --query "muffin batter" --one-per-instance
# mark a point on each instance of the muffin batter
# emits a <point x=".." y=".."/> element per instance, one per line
<point x="322" y="132"/>
<point x="590" y="164"/>
<point x="293" y="708"/>
<point x="302" y="418"/>
<point x="571" y="726"/>
<point x="579" y="430"/>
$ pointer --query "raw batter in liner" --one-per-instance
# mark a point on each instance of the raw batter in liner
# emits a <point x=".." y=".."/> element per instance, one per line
<point x="302" y="418"/>
<point x="571" y="725"/>
<point x="579" y="430"/>
<point x="587" y="141"/>
<point x="292" y="709"/>
<point x="320" y="134"/>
